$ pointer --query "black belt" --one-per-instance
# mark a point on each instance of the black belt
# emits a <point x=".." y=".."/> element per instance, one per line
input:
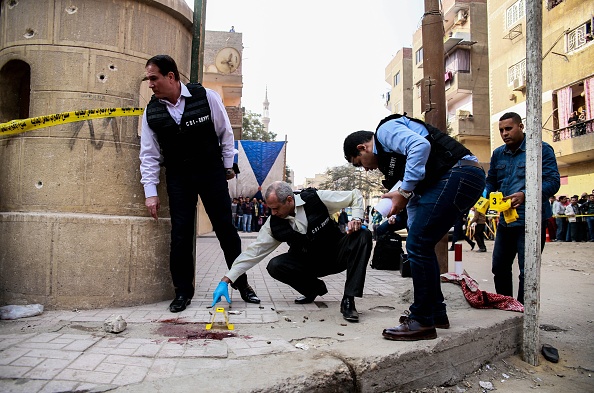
<point x="467" y="163"/>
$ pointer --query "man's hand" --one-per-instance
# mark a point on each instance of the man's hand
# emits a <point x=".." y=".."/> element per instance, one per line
<point x="229" y="173"/>
<point x="222" y="290"/>
<point x="517" y="199"/>
<point x="354" y="225"/>
<point x="153" y="205"/>
<point x="398" y="202"/>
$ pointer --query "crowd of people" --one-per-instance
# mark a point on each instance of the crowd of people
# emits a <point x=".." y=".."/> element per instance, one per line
<point x="573" y="218"/>
<point x="248" y="215"/>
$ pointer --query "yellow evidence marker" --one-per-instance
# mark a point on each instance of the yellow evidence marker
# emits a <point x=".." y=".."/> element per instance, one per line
<point x="220" y="310"/>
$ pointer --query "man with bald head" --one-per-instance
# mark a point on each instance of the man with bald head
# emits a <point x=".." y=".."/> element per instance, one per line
<point x="317" y="247"/>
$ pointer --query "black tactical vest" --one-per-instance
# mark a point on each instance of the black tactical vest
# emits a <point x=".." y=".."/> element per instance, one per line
<point x="445" y="153"/>
<point x="322" y="231"/>
<point x="194" y="140"/>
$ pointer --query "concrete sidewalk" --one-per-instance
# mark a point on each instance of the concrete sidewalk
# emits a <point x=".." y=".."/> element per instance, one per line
<point x="276" y="346"/>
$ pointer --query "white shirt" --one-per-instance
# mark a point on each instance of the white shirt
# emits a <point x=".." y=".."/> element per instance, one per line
<point x="265" y="243"/>
<point x="150" y="152"/>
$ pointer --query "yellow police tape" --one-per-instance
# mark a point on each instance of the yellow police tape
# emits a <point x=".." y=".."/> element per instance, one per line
<point x="18" y="126"/>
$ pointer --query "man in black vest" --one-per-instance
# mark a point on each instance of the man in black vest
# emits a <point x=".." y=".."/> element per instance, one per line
<point x="439" y="179"/>
<point x="187" y="130"/>
<point x="317" y="247"/>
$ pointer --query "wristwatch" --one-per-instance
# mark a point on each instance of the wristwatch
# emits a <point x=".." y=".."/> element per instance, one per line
<point x="406" y="194"/>
<point x="229" y="171"/>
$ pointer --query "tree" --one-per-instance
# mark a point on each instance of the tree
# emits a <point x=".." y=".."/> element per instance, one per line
<point x="253" y="129"/>
<point x="347" y="177"/>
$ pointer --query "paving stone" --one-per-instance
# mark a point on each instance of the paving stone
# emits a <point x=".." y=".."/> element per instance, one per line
<point x="161" y="368"/>
<point x="130" y="375"/>
<point x="13" y="371"/>
<point x="9" y="355"/>
<point x="87" y="361"/>
<point x="53" y="354"/>
<point x="23" y="386"/>
<point x="48" y="369"/>
<point x="59" y="386"/>
<point x="95" y="377"/>
<point x="27" y="361"/>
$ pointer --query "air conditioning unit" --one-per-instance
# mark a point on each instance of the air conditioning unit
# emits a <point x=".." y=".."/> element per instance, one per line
<point x="460" y="18"/>
<point x="462" y="114"/>
<point x="520" y="83"/>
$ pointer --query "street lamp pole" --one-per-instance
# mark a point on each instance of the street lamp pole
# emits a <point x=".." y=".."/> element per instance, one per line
<point x="197" y="58"/>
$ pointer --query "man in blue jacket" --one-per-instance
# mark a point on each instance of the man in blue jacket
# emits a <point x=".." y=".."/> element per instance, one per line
<point x="507" y="174"/>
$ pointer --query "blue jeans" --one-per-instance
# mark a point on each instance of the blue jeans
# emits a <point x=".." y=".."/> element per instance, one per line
<point x="561" y="229"/>
<point x="247" y="222"/>
<point x="509" y="242"/>
<point x="430" y="218"/>
<point x="590" y="222"/>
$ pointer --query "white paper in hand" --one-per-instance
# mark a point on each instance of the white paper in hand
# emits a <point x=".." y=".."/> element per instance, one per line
<point x="385" y="204"/>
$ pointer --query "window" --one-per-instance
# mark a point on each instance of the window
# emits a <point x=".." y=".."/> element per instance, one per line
<point x="516" y="71"/>
<point x="514" y="13"/>
<point x="15" y="79"/>
<point x="397" y="79"/>
<point x="419" y="56"/>
<point x="458" y="61"/>
<point x="579" y="36"/>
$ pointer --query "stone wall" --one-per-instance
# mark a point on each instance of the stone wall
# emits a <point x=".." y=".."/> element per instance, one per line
<point x="74" y="231"/>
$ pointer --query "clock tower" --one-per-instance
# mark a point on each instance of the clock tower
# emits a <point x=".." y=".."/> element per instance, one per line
<point x="265" y="118"/>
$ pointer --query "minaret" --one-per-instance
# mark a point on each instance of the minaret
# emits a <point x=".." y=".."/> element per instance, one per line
<point x="265" y="118"/>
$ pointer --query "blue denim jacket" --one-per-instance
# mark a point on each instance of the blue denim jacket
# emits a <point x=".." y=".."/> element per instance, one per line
<point x="507" y="174"/>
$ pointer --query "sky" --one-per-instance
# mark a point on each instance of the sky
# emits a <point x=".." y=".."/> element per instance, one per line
<point x="323" y="63"/>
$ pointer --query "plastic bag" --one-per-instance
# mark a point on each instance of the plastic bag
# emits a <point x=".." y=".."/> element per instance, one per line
<point x="16" y="312"/>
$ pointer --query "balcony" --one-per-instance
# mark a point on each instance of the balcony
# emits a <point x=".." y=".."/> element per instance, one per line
<point x="458" y="82"/>
<point x="574" y="144"/>
<point x="465" y="126"/>
<point x="575" y="131"/>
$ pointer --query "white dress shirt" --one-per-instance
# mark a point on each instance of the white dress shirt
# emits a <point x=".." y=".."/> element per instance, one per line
<point x="265" y="243"/>
<point x="150" y="152"/>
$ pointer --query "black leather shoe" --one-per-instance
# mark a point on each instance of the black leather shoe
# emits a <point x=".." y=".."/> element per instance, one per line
<point x="442" y="322"/>
<point x="348" y="310"/>
<point x="410" y="330"/>
<point x="550" y="353"/>
<point x="179" y="303"/>
<point x="481" y="250"/>
<point x="451" y="248"/>
<point x="249" y="295"/>
<point x="306" y="299"/>
<point x="472" y="246"/>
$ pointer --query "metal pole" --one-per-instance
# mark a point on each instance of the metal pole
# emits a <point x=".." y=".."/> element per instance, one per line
<point x="433" y="85"/>
<point x="532" y="253"/>
<point x="433" y="89"/>
<point x="198" y="41"/>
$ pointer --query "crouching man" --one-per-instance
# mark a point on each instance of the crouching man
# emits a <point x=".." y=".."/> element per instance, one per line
<point x="317" y="247"/>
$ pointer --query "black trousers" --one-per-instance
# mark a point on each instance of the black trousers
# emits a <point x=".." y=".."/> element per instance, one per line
<point x="479" y="235"/>
<point x="302" y="271"/>
<point x="183" y="187"/>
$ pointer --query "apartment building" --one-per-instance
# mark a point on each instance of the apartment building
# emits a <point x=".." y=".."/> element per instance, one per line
<point x="567" y="80"/>
<point x="466" y="65"/>
<point x="399" y="76"/>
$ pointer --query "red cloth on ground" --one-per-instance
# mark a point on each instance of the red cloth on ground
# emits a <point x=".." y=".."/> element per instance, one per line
<point x="482" y="299"/>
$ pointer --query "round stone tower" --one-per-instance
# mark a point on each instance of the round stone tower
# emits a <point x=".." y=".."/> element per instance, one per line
<point x="74" y="231"/>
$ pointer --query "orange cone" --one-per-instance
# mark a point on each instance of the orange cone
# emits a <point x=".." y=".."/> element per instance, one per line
<point x="548" y="239"/>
